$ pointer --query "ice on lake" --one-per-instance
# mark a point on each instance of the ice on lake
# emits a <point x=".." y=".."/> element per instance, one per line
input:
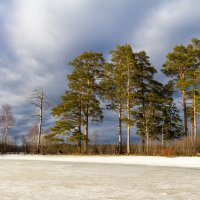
<point x="48" y="180"/>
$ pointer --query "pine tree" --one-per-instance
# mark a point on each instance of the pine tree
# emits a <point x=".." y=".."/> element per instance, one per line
<point x="112" y="87"/>
<point x="123" y="58"/>
<point x="193" y="80"/>
<point x="84" y="80"/>
<point x="177" y="64"/>
<point x="152" y="112"/>
<point x="171" y="122"/>
<point x="80" y="103"/>
<point x="69" y="119"/>
<point x="144" y="80"/>
<point x="118" y="84"/>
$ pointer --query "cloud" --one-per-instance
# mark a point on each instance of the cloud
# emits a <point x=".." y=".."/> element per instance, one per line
<point x="174" y="23"/>
<point x="38" y="39"/>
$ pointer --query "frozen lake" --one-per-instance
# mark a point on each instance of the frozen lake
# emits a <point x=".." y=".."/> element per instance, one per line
<point x="29" y="179"/>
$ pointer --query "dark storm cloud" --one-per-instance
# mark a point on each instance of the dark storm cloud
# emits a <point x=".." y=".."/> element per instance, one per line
<point x="38" y="39"/>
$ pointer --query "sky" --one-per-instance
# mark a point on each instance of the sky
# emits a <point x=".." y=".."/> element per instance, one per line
<point x="39" y="37"/>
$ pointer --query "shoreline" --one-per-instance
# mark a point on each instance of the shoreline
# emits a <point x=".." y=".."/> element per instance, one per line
<point x="184" y="162"/>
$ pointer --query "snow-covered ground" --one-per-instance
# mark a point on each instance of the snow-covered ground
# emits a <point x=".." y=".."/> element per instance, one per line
<point x="27" y="177"/>
<point x="191" y="162"/>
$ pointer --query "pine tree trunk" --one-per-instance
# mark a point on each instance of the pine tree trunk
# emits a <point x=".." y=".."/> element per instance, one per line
<point x="185" y="112"/>
<point x="40" y="124"/>
<point x="128" y="127"/>
<point x="86" y="132"/>
<point x="194" y="114"/>
<point x="162" y="142"/>
<point x="6" y="135"/>
<point x="143" y="143"/>
<point x="87" y="118"/>
<point x="128" y="113"/>
<point x="79" y="142"/>
<point x="143" y="115"/>
<point x="120" y="127"/>
<point x="79" y="127"/>
<point x="79" y="145"/>
<point x="128" y="139"/>
<point x="147" y="139"/>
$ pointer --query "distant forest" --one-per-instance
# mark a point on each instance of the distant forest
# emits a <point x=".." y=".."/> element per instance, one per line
<point x="124" y="85"/>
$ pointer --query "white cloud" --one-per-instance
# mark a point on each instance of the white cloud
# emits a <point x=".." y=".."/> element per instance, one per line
<point x="159" y="31"/>
<point x="173" y="23"/>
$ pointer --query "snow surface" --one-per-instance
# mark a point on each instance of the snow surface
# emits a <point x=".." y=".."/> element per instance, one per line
<point x="191" y="162"/>
<point x="24" y="177"/>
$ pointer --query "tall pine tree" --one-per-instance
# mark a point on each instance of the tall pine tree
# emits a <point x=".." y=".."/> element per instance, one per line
<point x="171" y="122"/>
<point x="144" y="80"/>
<point x="123" y="58"/>
<point x="84" y="80"/>
<point x="193" y="80"/>
<point x="68" y="116"/>
<point x="178" y="63"/>
<point x="118" y="84"/>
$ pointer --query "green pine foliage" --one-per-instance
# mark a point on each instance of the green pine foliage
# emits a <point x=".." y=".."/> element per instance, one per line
<point x="144" y="96"/>
<point x="80" y="103"/>
<point x="178" y="63"/>
<point x="69" y="117"/>
<point x="172" y="127"/>
<point x="118" y="87"/>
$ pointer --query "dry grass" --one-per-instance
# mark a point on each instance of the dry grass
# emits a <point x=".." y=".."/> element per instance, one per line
<point x="182" y="147"/>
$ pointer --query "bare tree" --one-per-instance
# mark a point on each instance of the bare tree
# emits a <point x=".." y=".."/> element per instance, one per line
<point x="6" y="120"/>
<point x="29" y="140"/>
<point x="32" y="134"/>
<point x="94" y="137"/>
<point x="39" y="100"/>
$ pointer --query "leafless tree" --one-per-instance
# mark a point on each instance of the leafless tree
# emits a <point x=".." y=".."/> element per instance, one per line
<point x="6" y="120"/>
<point x="94" y="137"/>
<point x="32" y="134"/>
<point x="39" y="100"/>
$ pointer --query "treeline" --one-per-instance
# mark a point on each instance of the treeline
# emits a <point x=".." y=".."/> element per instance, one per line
<point x="125" y="85"/>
